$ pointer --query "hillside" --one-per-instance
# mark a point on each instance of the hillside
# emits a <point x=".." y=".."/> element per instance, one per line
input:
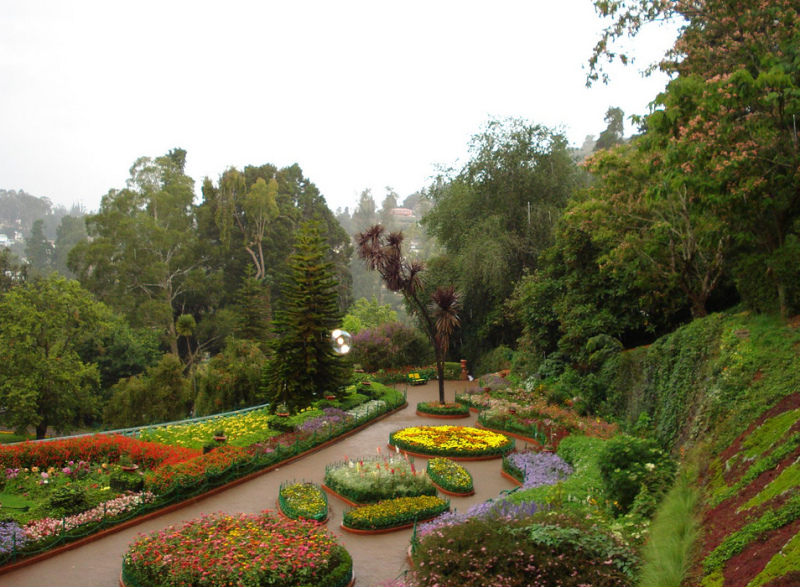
<point x="723" y="393"/>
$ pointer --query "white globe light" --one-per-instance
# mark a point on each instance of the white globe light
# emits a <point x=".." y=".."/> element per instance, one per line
<point x="341" y="341"/>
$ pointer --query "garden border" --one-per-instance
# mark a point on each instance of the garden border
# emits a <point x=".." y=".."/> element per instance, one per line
<point x="453" y="493"/>
<point x="442" y="416"/>
<point x="191" y="501"/>
<point x="424" y="456"/>
<point x="532" y="441"/>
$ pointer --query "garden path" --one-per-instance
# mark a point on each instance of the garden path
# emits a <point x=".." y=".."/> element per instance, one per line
<point x="375" y="558"/>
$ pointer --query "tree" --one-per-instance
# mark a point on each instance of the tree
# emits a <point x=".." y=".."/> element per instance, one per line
<point x="495" y="216"/>
<point x="304" y="365"/>
<point x="43" y="381"/>
<point x="232" y="379"/>
<point x="12" y="273"/>
<point x="143" y="247"/>
<point x="253" y="309"/>
<point x="613" y="135"/>
<point x="368" y="314"/>
<point x="160" y="394"/>
<point x="69" y="233"/>
<point x="39" y="251"/>
<point x="383" y="253"/>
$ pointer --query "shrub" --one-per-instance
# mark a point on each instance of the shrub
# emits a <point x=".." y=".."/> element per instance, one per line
<point x="494" y="361"/>
<point x="391" y="346"/>
<point x="123" y="481"/>
<point x="628" y="465"/>
<point x="68" y="500"/>
<point x="535" y="550"/>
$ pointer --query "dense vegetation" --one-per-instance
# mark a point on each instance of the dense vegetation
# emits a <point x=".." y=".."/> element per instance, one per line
<point x="653" y="284"/>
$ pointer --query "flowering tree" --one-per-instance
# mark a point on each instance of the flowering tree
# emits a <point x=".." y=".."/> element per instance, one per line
<point x="383" y="253"/>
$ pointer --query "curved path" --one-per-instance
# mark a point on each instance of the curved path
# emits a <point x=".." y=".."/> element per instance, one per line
<point x="375" y="558"/>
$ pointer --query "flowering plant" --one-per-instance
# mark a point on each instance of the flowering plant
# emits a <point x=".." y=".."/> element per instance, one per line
<point x="303" y="500"/>
<point x="450" y="476"/>
<point x="240" y="430"/>
<point x="445" y="409"/>
<point x="535" y="469"/>
<point x="191" y="473"/>
<point x="246" y="549"/>
<point x="452" y="441"/>
<point x="394" y="512"/>
<point x="368" y="480"/>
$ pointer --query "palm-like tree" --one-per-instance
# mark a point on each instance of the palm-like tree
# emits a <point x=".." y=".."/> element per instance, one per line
<point x="382" y="252"/>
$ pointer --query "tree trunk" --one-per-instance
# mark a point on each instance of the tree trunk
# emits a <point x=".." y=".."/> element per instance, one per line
<point x="440" y="374"/>
<point x="41" y="429"/>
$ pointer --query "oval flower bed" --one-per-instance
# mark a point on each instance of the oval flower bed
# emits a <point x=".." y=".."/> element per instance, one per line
<point x="375" y="479"/>
<point x="452" y="441"/>
<point x="450" y="477"/>
<point x="394" y="514"/>
<point x="303" y="500"/>
<point x="246" y="549"/>
<point x="445" y="410"/>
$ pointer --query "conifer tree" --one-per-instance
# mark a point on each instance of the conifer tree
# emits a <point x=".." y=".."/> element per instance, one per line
<point x="253" y="308"/>
<point x="304" y="364"/>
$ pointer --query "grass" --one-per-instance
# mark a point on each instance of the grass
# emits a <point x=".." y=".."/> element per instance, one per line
<point x="668" y="555"/>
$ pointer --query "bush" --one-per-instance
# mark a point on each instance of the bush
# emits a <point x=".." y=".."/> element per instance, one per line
<point x="123" y="481"/>
<point x="494" y="361"/>
<point x="629" y="466"/>
<point x="68" y="500"/>
<point x="391" y="346"/>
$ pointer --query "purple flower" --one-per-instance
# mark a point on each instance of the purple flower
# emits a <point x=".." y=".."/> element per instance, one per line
<point x="11" y="537"/>
<point x="540" y="468"/>
<point x="489" y="510"/>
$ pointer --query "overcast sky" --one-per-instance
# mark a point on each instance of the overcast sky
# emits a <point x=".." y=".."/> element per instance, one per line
<point x="361" y="94"/>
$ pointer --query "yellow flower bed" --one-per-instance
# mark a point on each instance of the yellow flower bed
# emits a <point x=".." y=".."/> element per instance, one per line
<point x="240" y="429"/>
<point x="453" y="441"/>
<point x="394" y="512"/>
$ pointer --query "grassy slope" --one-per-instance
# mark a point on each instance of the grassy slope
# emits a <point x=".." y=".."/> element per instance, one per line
<point x="725" y="392"/>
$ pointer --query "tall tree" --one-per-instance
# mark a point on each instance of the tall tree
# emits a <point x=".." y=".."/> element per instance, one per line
<point x="69" y="233"/>
<point x="495" y="216"/>
<point x="43" y="381"/>
<point x="304" y="365"/>
<point x="143" y="246"/>
<point x="613" y="135"/>
<point x="383" y="253"/>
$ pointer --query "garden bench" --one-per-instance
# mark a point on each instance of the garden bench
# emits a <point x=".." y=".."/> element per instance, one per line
<point x="415" y="379"/>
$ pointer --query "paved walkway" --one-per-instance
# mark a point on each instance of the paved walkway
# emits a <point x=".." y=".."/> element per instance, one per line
<point x="375" y="558"/>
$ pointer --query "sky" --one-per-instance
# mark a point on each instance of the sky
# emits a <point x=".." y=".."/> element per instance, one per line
<point x="361" y="94"/>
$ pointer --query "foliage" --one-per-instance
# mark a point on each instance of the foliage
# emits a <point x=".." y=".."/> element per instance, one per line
<point x="230" y="380"/>
<point x="495" y="215"/>
<point x="301" y="553"/>
<point x="451" y="441"/>
<point x="384" y="253"/>
<point x="495" y="360"/>
<point x="370" y="480"/>
<point x="196" y="470"/>
<point x="449" y="475"/>
<point x="446" y="409"/>
<point x="394" y="512"/>
<point x="304" y="365"/>
<point x="669" y="553"/>
<point x="630" y="465"/>
<point x="160" y="394"/>
<point x="390" y="346"/>
<point x="43" y="381"/>
<point x="367" y="314"/>
<point x="522" y="550"/>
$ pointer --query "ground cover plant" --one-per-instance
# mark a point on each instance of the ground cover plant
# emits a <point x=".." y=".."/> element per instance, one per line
<point x="369" y="480"/>
<point x="246" y="549"/>
<point x="536" y="469"/>
<point x="451" y="441"/>
<point x="450" y="476"/>
<point x="392" y="513"/>
<point x="303" y="500"/>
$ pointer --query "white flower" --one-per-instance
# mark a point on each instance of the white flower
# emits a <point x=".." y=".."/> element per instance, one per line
<point x="650" y="466"/>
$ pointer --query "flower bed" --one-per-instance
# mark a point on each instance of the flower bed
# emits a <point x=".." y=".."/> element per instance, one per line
<point x="450" y="477"/>
<point x="303" y="500"/>
<point x="100" y="448"/>
<point x="367" y="410"/>
<point x="378" y="478"/>
<point x="451" y="410"/>
<point x="189" y="474"/>
<point x="535" y="469"/>
<point x="240" y="429"/>
<point x="247" y="549"/>
<point x="451" y="441"/>
<point x="394" y="513"/>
